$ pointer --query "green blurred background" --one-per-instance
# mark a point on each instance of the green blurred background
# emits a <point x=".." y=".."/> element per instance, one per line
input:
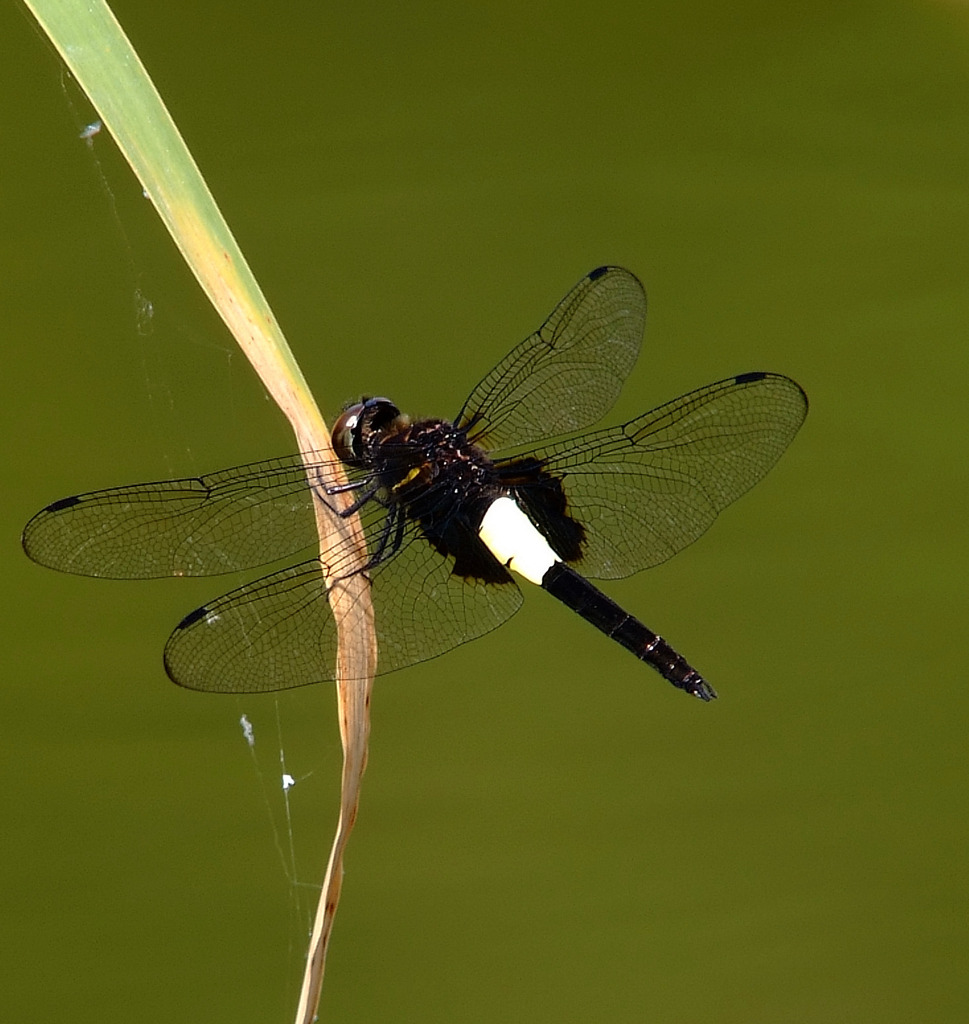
<point x="548" y="832"/>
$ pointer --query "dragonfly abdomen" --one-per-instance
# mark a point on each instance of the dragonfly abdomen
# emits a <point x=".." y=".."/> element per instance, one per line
<point x="577" y="593"/>
<point x="515" y="541"/>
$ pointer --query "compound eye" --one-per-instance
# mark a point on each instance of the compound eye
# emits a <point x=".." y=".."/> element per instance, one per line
<point x="346" y="435"/>
<point x="361" y="426"/>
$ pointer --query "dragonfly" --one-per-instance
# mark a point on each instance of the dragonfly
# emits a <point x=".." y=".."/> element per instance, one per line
<point x="517" y="485"/>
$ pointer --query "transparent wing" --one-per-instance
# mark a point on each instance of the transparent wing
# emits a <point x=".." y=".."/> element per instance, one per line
<point x="563" y="377"/>
<point x="235" y="519"/>
<point x="646" y="489"/>
<point x="566" y="375"/>
<point x="278" y="632"/>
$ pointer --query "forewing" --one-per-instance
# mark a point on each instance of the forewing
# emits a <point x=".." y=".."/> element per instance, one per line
<point x="235" y="519"/>
<point x="566" y="375"/>
<point x="646" y="489"/>
<point x="278" y="632"/>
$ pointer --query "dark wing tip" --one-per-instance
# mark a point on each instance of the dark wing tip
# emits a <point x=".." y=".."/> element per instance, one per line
<point x="59" y="506"/>
<point x="753" y="376"/>
<point x="192" y="618"/>
<point x="609" y="268"/>
<point x="172" y="669"/>
<point x="39" y="521"/>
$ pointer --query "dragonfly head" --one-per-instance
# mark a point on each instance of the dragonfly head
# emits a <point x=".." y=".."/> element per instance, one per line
<point x="362" y="425"/>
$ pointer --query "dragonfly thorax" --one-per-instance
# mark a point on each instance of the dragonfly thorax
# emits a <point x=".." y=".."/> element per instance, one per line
<point x="430" y="465"/>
